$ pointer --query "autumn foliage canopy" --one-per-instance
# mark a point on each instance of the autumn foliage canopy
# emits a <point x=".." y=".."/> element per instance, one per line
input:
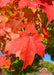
<point x="20" y="21"/>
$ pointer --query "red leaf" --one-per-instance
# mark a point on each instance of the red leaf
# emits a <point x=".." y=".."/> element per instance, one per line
<point x="26" y="46"/>
<point x="49" y="9"/>
<point x="15" y="25"/>
<point x="30" y="3"/>
<point x="4" y="61"/>
<point x="2" y="25"/>
<point x="4" y="2"/>
<point x="44" y="31"/>
<point x="42" y="2"/>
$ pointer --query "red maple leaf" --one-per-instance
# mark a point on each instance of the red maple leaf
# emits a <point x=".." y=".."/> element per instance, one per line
<point x="4" y="2"/>
<point x="45" y="32"/>
<point x="49" y="10"/>
<point x="4" y="61"/>
<point x="42" y="2"/>
<point x="30" y="3"/>
<point x="27" y="45"/>
<point x="2" y="25"/>
<point x="15" y="25"/>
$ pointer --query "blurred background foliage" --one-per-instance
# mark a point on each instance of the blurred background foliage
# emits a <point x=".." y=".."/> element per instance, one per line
<point x="50" y="45"/>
